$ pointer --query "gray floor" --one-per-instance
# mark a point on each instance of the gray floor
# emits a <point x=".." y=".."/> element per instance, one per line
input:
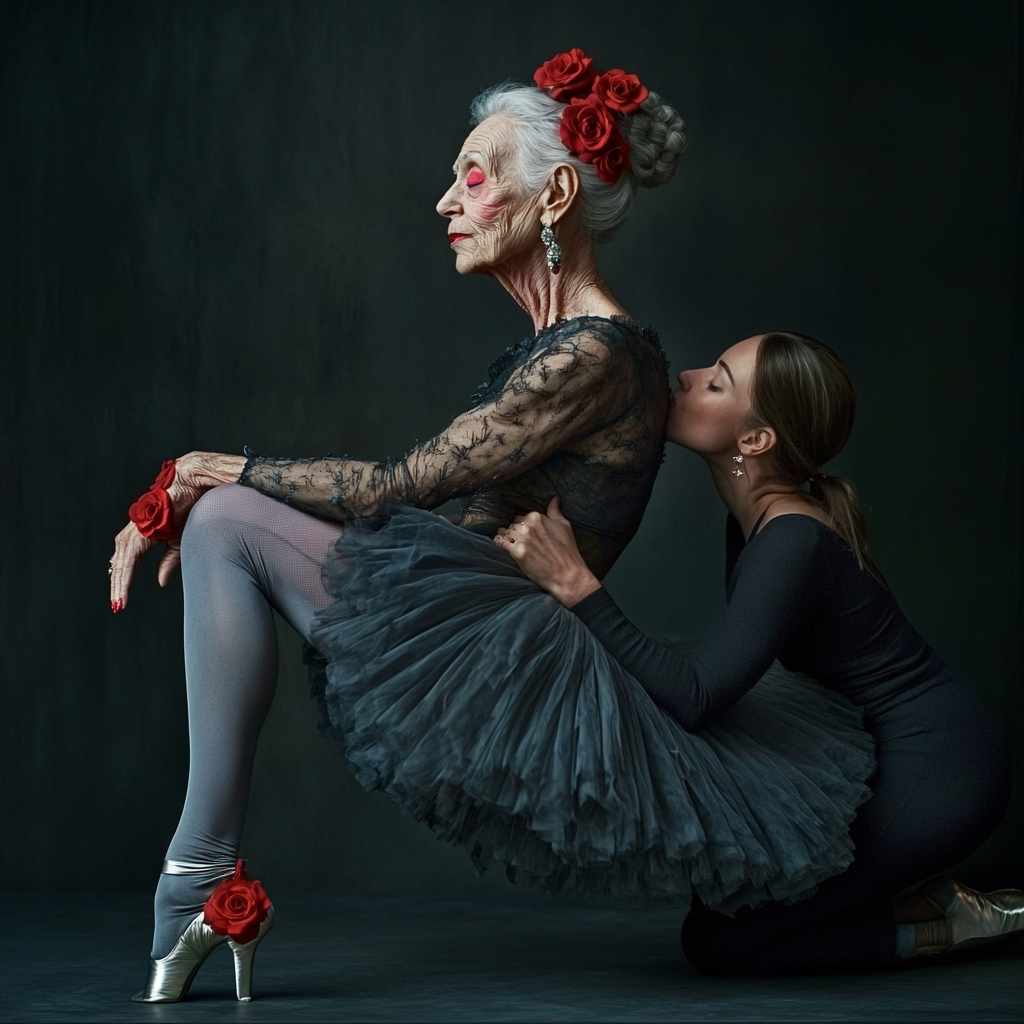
<point x="80" y="958"/>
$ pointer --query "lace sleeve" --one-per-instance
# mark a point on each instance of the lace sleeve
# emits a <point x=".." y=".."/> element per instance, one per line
<point x="561" y="393"/>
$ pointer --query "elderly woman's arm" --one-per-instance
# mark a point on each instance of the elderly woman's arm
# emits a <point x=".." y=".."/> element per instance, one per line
<point x="194" y="473"/>
<point x="559" y="395"/>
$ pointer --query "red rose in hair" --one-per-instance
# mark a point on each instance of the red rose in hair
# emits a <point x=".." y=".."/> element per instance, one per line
<point x="613" y="160"/>
<point x="165" y="477"/>
<point x="153" y="516"/>
<point x="586" y="128"/>
<point x="566" y="75"/>
<point x="237" y="907"/>
<point x="620" y="91"/>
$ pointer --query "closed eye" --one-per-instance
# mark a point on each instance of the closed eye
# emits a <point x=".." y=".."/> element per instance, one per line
<point x="713" y="387"/>
<point x="474" y="178"/>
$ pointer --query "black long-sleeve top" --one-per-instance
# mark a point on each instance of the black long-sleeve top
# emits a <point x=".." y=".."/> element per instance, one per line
<point x="794" y="594"/>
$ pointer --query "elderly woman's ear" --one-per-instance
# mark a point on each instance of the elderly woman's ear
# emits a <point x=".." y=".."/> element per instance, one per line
<point x="559" y="195"/>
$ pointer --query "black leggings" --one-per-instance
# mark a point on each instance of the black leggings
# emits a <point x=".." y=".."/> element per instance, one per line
<point x="942" y="785"/>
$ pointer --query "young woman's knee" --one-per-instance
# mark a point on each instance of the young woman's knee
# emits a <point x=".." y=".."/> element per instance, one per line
<point x="712" y="942"/>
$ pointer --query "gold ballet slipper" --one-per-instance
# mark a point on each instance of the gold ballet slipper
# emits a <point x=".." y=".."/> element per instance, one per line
<point x="976" y="918"/>
<point x="171" y="976"/>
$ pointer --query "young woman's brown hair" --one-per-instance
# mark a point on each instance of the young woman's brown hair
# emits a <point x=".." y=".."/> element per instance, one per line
<point x="802" y="391"/>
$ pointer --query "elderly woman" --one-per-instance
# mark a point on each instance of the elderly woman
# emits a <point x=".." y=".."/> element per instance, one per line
<point x="560" y="778"/>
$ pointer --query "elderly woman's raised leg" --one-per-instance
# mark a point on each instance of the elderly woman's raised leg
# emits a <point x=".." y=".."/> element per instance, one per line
<point x="243" y="555"/>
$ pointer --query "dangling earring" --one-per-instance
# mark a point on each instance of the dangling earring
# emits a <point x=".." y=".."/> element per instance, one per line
<point x="554" y="250"/>
<point x="737" y="471"/>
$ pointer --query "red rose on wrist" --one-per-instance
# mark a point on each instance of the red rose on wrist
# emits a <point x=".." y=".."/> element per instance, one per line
<point x="586" y="128"/>
<point x="612" y="161"/>
<point x="164" y="479"/>
<point x="153" y="515"/>
<point x="619" y="91"/>
<point x="566" y="75"/>
<point x="237" y="907"/>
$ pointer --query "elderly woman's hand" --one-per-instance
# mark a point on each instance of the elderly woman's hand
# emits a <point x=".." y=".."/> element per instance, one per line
<point x="190" y="482"/>
<point x="546" y="551"/>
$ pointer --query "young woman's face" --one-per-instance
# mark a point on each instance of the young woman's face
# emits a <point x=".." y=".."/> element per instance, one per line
<point x="710" y="407"/>
<point x="491" y="219"/>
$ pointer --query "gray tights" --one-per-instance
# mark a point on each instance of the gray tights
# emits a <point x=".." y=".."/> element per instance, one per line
<point x="242" y="555"/>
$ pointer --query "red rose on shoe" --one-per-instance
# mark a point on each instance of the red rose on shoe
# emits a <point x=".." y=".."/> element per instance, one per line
<point x="153" y="515"/>
<point x="612" y="161"/>
<point x="566" y="75"/>
<point x="165" y="477"/>
<point x="620" y="91"/>
<point x="237" y="907"/>
<point x="586" y="128"/>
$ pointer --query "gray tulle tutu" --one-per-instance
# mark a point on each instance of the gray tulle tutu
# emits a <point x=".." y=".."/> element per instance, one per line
<point x="485" y="709"/>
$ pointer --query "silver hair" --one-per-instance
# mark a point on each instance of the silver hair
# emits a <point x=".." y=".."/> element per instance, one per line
<point x="654" y="133"/>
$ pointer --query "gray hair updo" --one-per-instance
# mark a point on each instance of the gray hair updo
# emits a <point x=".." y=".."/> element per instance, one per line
<point x="654" y="133"/>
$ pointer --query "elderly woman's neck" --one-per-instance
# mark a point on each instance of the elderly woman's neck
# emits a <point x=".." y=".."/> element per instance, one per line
<point x="578" y="289"/>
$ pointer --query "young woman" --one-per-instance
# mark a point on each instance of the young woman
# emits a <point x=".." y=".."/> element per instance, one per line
<point x="802" y="589"/>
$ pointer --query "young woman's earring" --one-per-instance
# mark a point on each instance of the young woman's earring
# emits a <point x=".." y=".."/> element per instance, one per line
<point x="553" y="249"/>
<point x="737" y="471"/>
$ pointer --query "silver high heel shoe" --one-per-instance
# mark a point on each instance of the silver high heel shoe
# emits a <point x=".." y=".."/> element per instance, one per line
<point x="976" y="918"/>
<point x="171" y="976"/>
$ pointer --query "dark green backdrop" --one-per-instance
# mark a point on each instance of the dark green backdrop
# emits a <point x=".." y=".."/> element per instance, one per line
<point x="218" y="229"/>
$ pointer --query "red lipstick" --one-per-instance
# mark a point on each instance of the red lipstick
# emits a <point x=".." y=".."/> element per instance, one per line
<point x="455" y="236"/>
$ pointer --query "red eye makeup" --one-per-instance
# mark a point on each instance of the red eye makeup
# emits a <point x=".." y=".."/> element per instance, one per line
<point x="475" y="177"/>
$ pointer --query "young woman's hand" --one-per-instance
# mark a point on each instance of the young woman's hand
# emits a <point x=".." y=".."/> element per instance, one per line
<point x="546" y="551"/>
<point x="190" y="481"/>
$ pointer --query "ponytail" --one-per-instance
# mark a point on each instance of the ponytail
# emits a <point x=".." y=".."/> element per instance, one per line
<point x="803" y="392"/>
<point x="838" y="499"/>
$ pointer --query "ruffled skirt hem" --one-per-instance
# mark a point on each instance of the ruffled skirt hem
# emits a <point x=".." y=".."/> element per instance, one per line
<point x="486" y="710"/>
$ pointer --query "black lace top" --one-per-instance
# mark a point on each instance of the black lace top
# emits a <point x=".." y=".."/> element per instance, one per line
<point x="578" y="411"/>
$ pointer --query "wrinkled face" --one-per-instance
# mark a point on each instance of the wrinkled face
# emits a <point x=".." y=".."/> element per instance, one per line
<point x="492" y="221"/>
<point x="711" y="406"/>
